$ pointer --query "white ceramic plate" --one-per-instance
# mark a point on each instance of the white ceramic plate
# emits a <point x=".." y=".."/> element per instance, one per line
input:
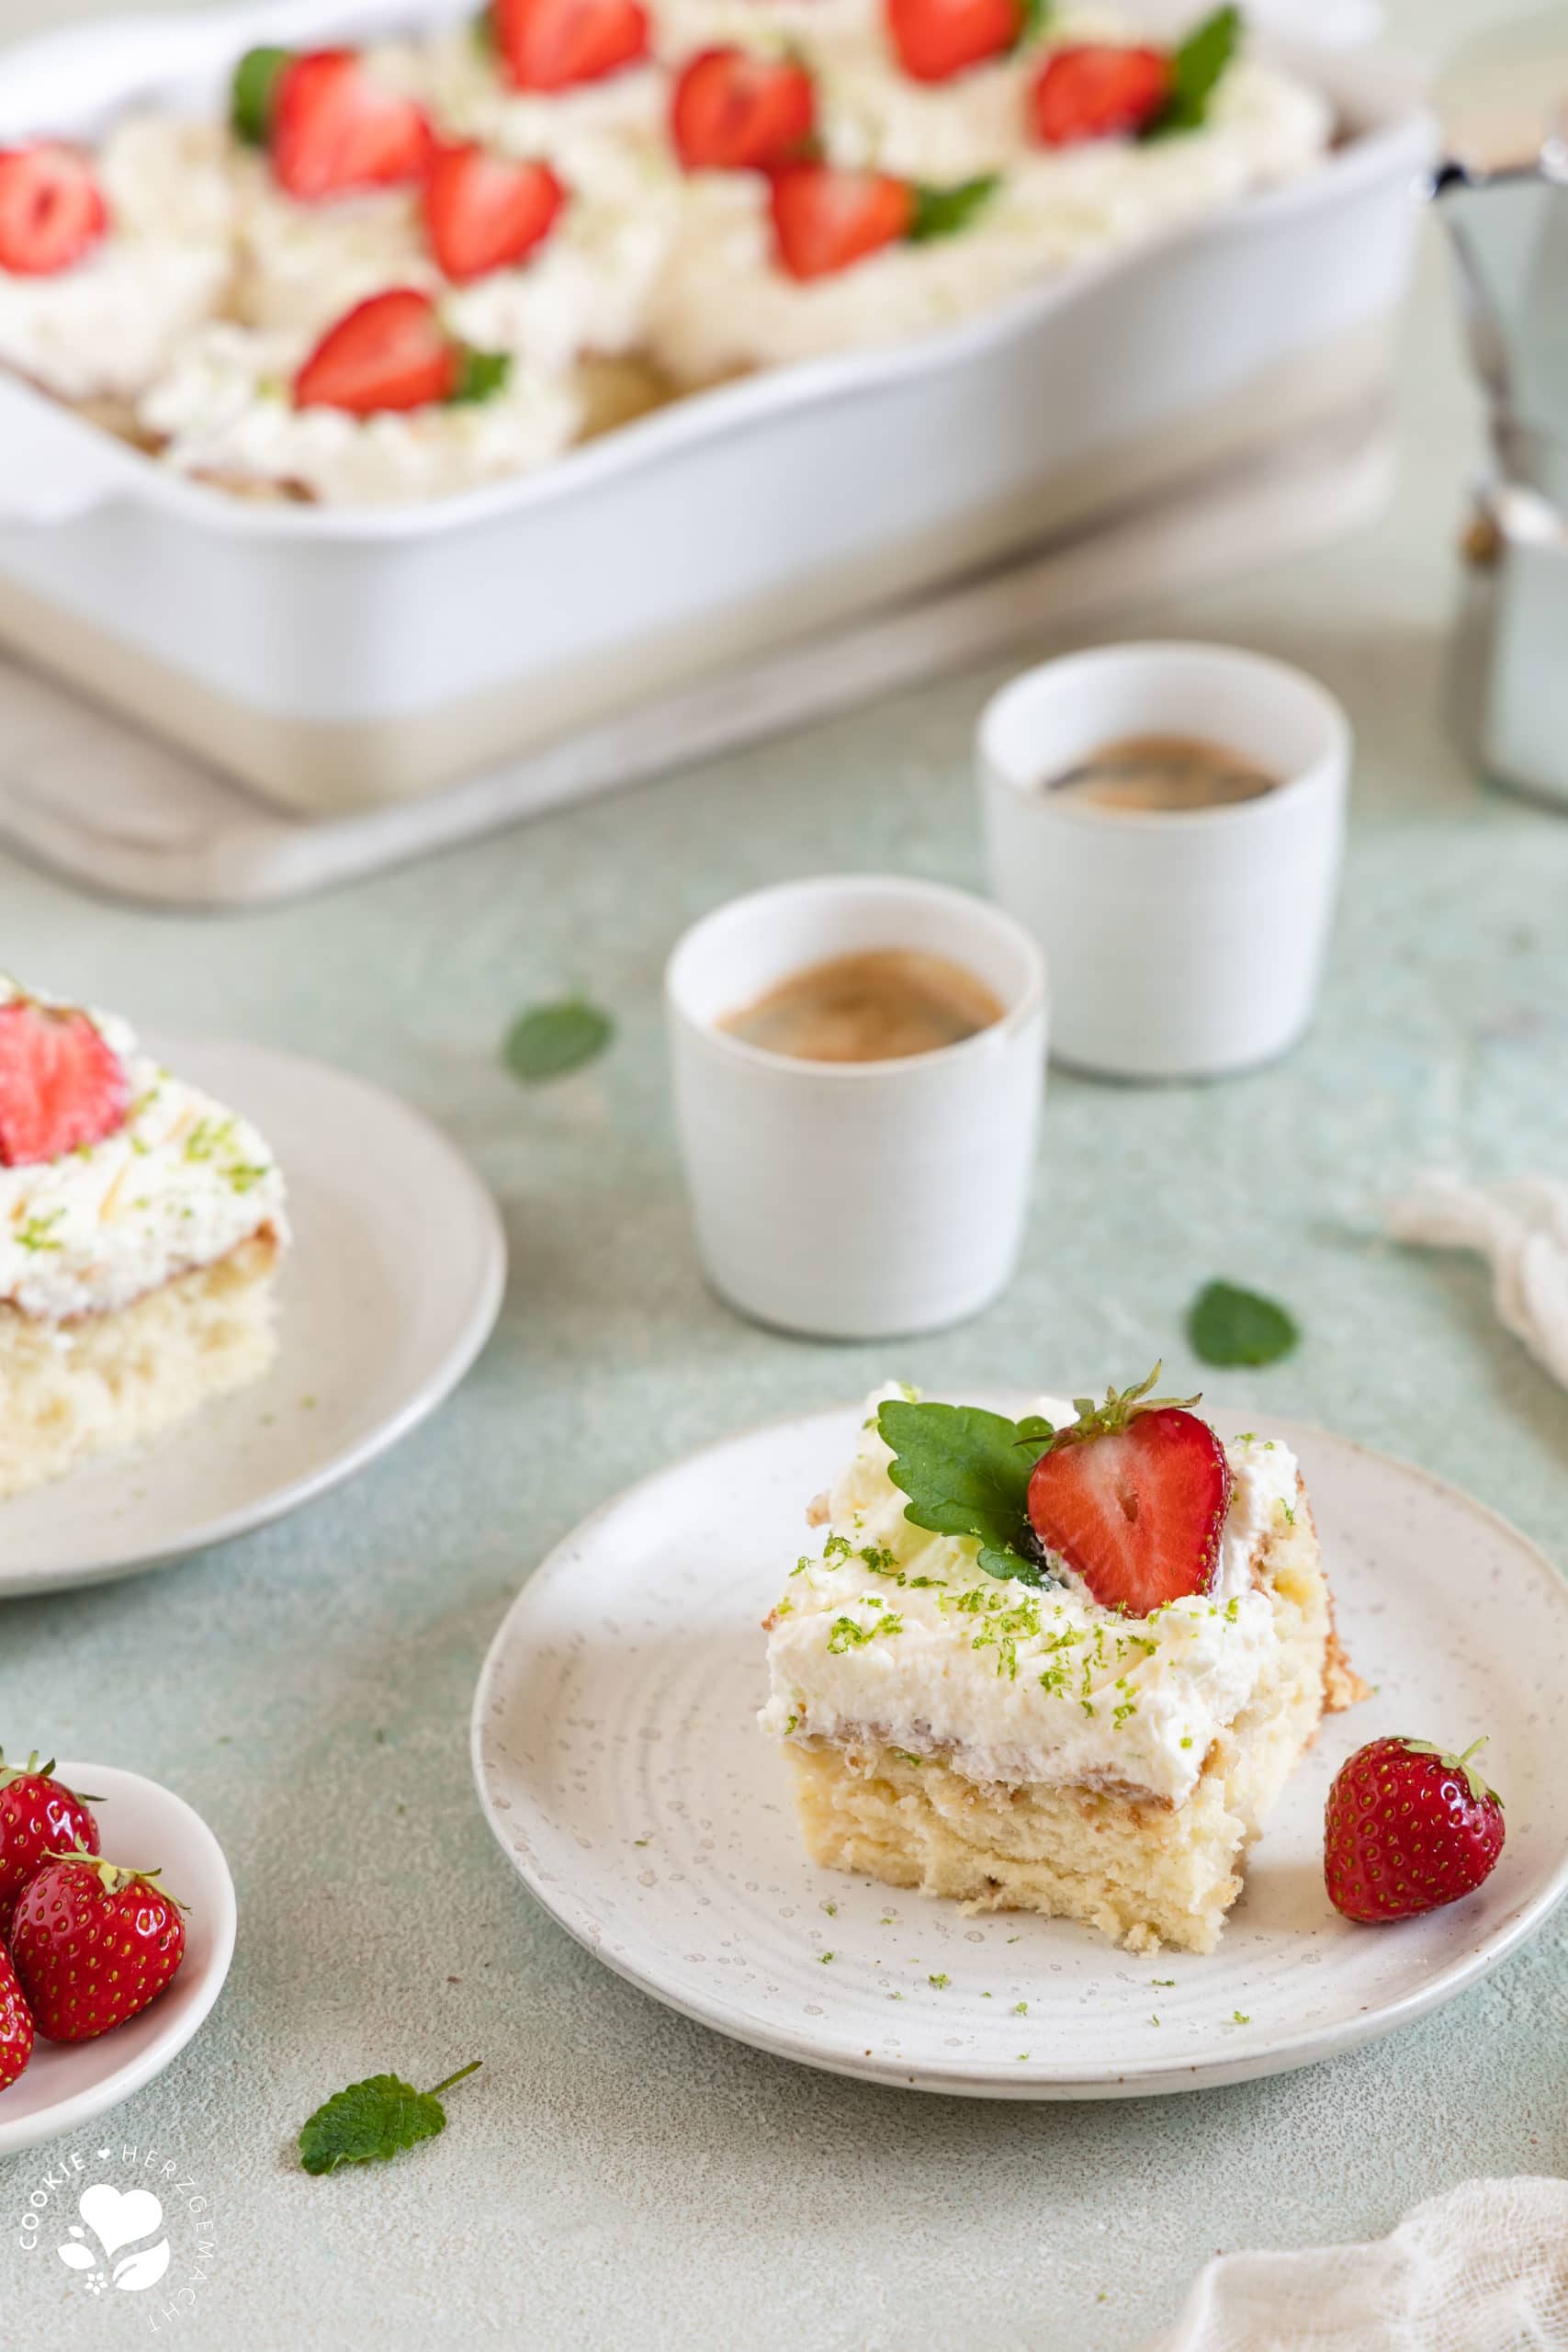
<point x="389" y="1293"/>
<point x="619" y="1766"/>
<point x="67" y="2083"/>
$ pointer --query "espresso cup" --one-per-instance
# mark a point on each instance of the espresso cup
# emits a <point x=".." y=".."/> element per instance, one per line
<point x="1181" y="944"/>
<point x="856" y="1200"/>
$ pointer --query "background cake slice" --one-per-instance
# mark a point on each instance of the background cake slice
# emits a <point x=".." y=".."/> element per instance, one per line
<point x="983" y="1715"/>
<point x="141" y="1224"/>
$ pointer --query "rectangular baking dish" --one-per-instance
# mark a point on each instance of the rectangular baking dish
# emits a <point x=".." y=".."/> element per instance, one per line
<point x="337" y="660"/>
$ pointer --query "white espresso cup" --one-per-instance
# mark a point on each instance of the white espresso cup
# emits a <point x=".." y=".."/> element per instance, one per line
<point x="1182" y="944"/>
<point x="856" y="1200"/>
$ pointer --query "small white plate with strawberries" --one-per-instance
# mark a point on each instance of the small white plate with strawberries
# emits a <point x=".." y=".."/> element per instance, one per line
<point x="151" y="1891"/>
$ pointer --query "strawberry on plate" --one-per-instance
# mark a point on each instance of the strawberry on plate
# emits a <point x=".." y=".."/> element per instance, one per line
<point x="555" y="44"/>
<point x="62" y="1086"/>
<point x="15" y="2024"/>
<point x="484" y="211"/>
<point x="391" y="351"/>
<point x="934" y="39"/>
<point x="1132" y="1497"/>
<point x="334" y="128"/>
<point x="39" y="1815"/>
<point x="52" y="208"/>
<point x="1406" y="1830"/>
<point x="93" y="1943"/>
<point x="733" y="112"/>
<point x="826" y="221"/>
<point x="1095" y="91"/>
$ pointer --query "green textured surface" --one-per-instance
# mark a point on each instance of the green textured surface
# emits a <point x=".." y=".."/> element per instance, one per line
<point x="616" y="2175"/>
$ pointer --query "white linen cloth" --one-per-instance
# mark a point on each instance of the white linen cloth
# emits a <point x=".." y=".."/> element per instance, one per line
<point x="1521" y="1228"/>
<point x="1482" y="2268"/>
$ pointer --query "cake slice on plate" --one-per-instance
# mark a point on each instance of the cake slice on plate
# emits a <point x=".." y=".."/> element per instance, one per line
<point x="1062" y="1665"/>
<point x="141" y="1227"/>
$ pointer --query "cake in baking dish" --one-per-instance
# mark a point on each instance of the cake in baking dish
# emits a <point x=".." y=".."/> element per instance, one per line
<point x="1064" y="1664"/>
<point x="141" y="1225"/>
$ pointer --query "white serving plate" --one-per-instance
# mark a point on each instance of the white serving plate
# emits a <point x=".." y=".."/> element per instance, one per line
<point x="340" y="659"/>
<point x="68" y="2082"/>
<point x="619" y="1764"/>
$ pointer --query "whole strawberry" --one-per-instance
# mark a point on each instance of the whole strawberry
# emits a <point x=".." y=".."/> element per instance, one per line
<point x="92" y="1944"/>
<point x="1406" y="1830"/>
<point x="15" y="2024"/>
<point x="39" y="1815"/>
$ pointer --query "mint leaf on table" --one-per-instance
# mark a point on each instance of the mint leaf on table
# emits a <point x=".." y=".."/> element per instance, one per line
<point x="1227" y="1325"/>
<point x="551" y="1040"/>
<point x="251" y="92"/>
<point x="1196" y="71"/>
<point x="373" y="2121"/>
<point x="967" y="1473"/>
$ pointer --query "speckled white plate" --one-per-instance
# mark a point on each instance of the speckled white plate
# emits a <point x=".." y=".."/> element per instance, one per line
<point x="67" y="2083"/>
<point x="619" y="1766"/>
<point x="390" y="1291"/>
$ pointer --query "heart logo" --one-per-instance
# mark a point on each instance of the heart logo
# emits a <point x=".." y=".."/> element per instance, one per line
<point x="118" y="2218"/>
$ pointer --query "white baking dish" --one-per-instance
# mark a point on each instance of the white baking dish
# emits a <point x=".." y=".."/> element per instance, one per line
<point x="336" y="658"/>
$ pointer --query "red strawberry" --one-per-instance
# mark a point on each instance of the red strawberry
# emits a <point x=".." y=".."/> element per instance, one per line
<point x="15" y="2024"/>
<point x="485" y="212"/>
<point x="936" y="39"/>
<point x="551" y="44"/>
<point x="389" y="352"/>
<point x="52" y="208"/>
<point x="61" y="1084"/>
<point x="92" y="1944"/>
<point x="39" y="1815"/>
<point x="1133" y="1495"/>
<point x="731" y="112"/>
<point x="1094" y="92"/>
<point x="825" y="220"/>
<point x="334" y="128"/>
<point x="1406" y="1830"/>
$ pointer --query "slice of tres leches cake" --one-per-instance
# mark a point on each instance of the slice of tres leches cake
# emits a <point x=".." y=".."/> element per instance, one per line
<point x="141" y="1227"/>
<point x="1062" y="1665"/>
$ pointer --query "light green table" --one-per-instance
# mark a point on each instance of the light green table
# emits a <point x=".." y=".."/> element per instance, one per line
<point x="616" y="2176"/>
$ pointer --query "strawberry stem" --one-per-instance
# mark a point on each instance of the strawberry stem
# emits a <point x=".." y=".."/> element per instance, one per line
<point x="114" y="1877"/>
<point x="471" y="2068"/>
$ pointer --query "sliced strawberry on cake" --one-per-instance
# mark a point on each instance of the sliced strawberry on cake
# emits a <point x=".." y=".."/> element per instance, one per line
<point x="1093" y="90"/>
<point x="53" y="212"/>
<point x="392" y="353"/>
<point x="331" y="127"/>
<point x="733" y="112"/>
<point x="826" y="221"/>
<point x="485" y="212"/>
<point x="560" y="44"/>
<point x="934" y="39"/>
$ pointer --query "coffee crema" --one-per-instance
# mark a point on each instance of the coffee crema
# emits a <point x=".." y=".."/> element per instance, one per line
<point x="882" y="1004"/>
<point x="1170" y="773"/>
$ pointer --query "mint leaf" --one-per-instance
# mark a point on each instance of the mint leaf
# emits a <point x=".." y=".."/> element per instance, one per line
<point x="372" y="2120"/>
<point x="251" y="91"/>
<point x="1230" y="1326"/>
<point x="551" y="1040"/>
<point x="1033" y="15"/>
<point x="967" y="1473"/>
<point x="1196" y="68"/>
<point x="943" y="211"/>
<point x="481" y="29"/>
<point x="481" y="375"/>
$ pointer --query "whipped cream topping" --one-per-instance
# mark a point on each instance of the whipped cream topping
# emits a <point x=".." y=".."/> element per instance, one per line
<point x="181" y="1184"/>
<point x="1008" y="1683"/>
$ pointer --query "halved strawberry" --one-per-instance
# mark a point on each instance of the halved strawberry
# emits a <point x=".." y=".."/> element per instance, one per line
<point x="334" y="128"/>
<point x="733" y="112"/>
<point x="825" y="220"/>
<point x="61" y="1084"/>
<point x="1095" y="91"/>
<point x="52" y="208"/>
<point x="389" y="352"/>
<point x="551" y="44"/>
<point x="937" y="38"/>
<point x="483" y="212"/>
<point x="1133" y="1495"/>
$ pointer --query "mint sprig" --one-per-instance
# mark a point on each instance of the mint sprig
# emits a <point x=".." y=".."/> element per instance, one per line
<point x="1196" y="70"/>
<point x="481" y="375"/>
<point x="253" y="92"/>
<point x="374" y="2120"/>
<point x="1227" y="1325"/>
<point x="966" y="1472"/>
<point x="551" y="1040"/>
<point x="943" y="211"/>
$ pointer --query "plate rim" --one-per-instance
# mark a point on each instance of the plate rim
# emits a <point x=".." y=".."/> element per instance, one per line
<point x="1149" y="2078"/>
<point x="81" y="2106"/>
<point x="28" y="1583"/>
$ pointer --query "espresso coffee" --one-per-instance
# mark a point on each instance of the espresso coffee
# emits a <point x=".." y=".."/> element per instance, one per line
<point x="884" y="1005"/>
<point x="1175" y="774"/>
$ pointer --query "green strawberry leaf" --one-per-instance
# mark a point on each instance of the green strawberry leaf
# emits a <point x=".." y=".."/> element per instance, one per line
<point x="373" y="2121"/>
<point x="967" y="1473"/>
<point x="251" y="92"/>
<point x="481" y="375"/>
<point x="943" y="211"/>
<point x="551" y="1040"/>
<point x="1196" y="71"/>
<point x="1230" y="1326"/>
